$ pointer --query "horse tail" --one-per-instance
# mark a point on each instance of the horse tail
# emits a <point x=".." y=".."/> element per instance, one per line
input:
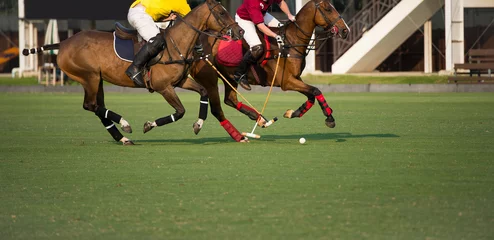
<point x="39" y="50"/>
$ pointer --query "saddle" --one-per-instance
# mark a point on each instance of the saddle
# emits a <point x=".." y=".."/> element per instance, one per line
<point x="126" y="43"/>
<point x="230" y="54"/>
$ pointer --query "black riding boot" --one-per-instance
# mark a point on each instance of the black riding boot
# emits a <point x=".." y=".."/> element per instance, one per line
<point x="241" y="72"/>
<point x="154" y="46"/>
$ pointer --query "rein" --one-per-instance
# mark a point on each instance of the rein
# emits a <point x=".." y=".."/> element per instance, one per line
<point x="218" y="35"/>
<point x="324" y="36"/>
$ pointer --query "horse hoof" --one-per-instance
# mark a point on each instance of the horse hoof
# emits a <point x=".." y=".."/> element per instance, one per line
<point x="288" y="113"/>
<point x="147" y="126"/>
<point x="330" y="122"/>
<point x="127" y="129"/>
<point x="197" y="128"/>
<point x="244" y="140"/>
<point x="128" y="143"/>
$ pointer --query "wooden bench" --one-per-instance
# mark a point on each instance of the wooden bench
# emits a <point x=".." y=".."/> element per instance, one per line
<point x="479" y="69"/>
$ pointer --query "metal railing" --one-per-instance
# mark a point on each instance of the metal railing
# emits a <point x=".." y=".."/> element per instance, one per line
<point x="361" y="22"/>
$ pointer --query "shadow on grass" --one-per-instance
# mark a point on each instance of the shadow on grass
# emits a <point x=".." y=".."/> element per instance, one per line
<point x="338" y="137"/>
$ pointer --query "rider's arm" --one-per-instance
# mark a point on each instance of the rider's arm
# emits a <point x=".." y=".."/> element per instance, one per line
<point x="266" y="30"/>
<point x="286" y="10"/>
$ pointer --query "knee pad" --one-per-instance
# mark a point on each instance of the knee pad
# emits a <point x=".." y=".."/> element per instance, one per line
<point x="257" y="51"/>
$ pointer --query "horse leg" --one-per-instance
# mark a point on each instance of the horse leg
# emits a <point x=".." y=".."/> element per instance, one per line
<point x="93" y="97"/>
<point x="217" y="111"/>
<point x="312" y="94"/>
<point x="107" y="118"/>
<point x="232" y="101"/>
<point x="172" y="98"/>
<point x="192" y="85"/>
<point x="208" y="78"/>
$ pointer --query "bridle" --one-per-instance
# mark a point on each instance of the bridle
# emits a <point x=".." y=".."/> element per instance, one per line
<point x="326" y="19"/>
<point x="328" y="32"/>
<point x="226" y="30"/>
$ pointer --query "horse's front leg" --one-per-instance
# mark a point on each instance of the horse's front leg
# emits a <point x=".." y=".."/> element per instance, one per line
<point x="312" y="94"/>
<point x="232" y="101"/>
<point x="191" y="84"/>
<point x="172" y="98"/>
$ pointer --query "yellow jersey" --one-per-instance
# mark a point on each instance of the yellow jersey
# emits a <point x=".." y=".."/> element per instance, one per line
<point x="159" y="9"/>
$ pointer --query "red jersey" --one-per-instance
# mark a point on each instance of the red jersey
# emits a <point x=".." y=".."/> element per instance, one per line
<point x="254" y="10"/>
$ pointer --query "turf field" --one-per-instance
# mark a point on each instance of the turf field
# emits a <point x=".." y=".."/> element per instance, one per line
<point x="397" y="166"/>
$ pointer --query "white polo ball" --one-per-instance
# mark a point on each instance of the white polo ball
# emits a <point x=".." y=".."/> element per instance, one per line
<point x="301" y="140"/>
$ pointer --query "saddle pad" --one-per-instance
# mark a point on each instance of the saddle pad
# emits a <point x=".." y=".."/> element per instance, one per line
<point x="124" y="48"/>
<point x="268" y="52"/>
<point x="229" y="53"/>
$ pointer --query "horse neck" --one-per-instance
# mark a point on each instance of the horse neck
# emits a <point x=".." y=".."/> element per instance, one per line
<point x="184" y="35"/>
<point x="305" y="23"/>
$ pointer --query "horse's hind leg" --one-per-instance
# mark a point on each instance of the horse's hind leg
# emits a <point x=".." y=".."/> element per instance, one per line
<point x="94" y="102"/>
<point x="312" y="94"/>
<point x="108" y="118"/>
<point x="171" y="97"/>
<point x="207" y="77"/>
<point x="192" y="85"/>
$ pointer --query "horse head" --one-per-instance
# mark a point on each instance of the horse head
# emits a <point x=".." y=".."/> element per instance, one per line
<point x="222" y="22"/>
<point x="328" y="18"/>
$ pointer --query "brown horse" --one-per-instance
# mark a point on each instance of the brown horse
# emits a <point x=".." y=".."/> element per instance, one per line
<point x="297" y="36"/>
<point x="88" y="58"/>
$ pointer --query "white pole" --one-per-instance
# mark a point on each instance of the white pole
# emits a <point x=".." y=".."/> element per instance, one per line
<point x="428" y="47"/>
<point x="31" y="45"/>
<point x="457" y="32"/>
<point x="448" y="34"/>
<point x="22" y="37"/>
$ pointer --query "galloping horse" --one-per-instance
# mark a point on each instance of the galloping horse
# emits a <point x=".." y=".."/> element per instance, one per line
<point x="297" y="36"/>
<point x="88" y="58"/>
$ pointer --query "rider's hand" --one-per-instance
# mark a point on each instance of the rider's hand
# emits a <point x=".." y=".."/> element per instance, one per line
<point x="291" y="18"/>
<point x="171" y="17"/>
<point x="279" y="40"/>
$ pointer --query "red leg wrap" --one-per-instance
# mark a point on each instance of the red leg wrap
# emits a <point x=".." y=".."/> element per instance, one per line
<point x="247" y="111"/>
<point x="241" y="106"/>
<point x="230" y="129"/>
<point x="324" y="105"/>
<point x="308" y="105"/>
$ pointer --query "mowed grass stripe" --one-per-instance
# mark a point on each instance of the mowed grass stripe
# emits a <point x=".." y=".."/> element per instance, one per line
<point x="397" y="166"/>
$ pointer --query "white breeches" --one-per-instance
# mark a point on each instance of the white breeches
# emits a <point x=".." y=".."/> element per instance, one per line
<point x="250" y="29"/>
<point x="142" y="22"/>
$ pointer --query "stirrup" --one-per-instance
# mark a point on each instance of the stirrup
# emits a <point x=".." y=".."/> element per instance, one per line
<point x="135" y="76"/>
<point x="242" y="81"/>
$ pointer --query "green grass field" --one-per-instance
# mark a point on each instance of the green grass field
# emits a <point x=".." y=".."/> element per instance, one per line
<point x="311" y="79"/>
<point x="397" y="166"/>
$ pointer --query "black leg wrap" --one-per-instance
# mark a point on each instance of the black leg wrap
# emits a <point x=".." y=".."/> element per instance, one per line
<point x="105" y="113"/>
<point x="203" y="108"/>
<point x="111" y="128"/>
<point x="168" y="119"/>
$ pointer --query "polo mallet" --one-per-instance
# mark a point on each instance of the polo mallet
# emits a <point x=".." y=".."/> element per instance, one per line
<point x="251" y="134"/>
